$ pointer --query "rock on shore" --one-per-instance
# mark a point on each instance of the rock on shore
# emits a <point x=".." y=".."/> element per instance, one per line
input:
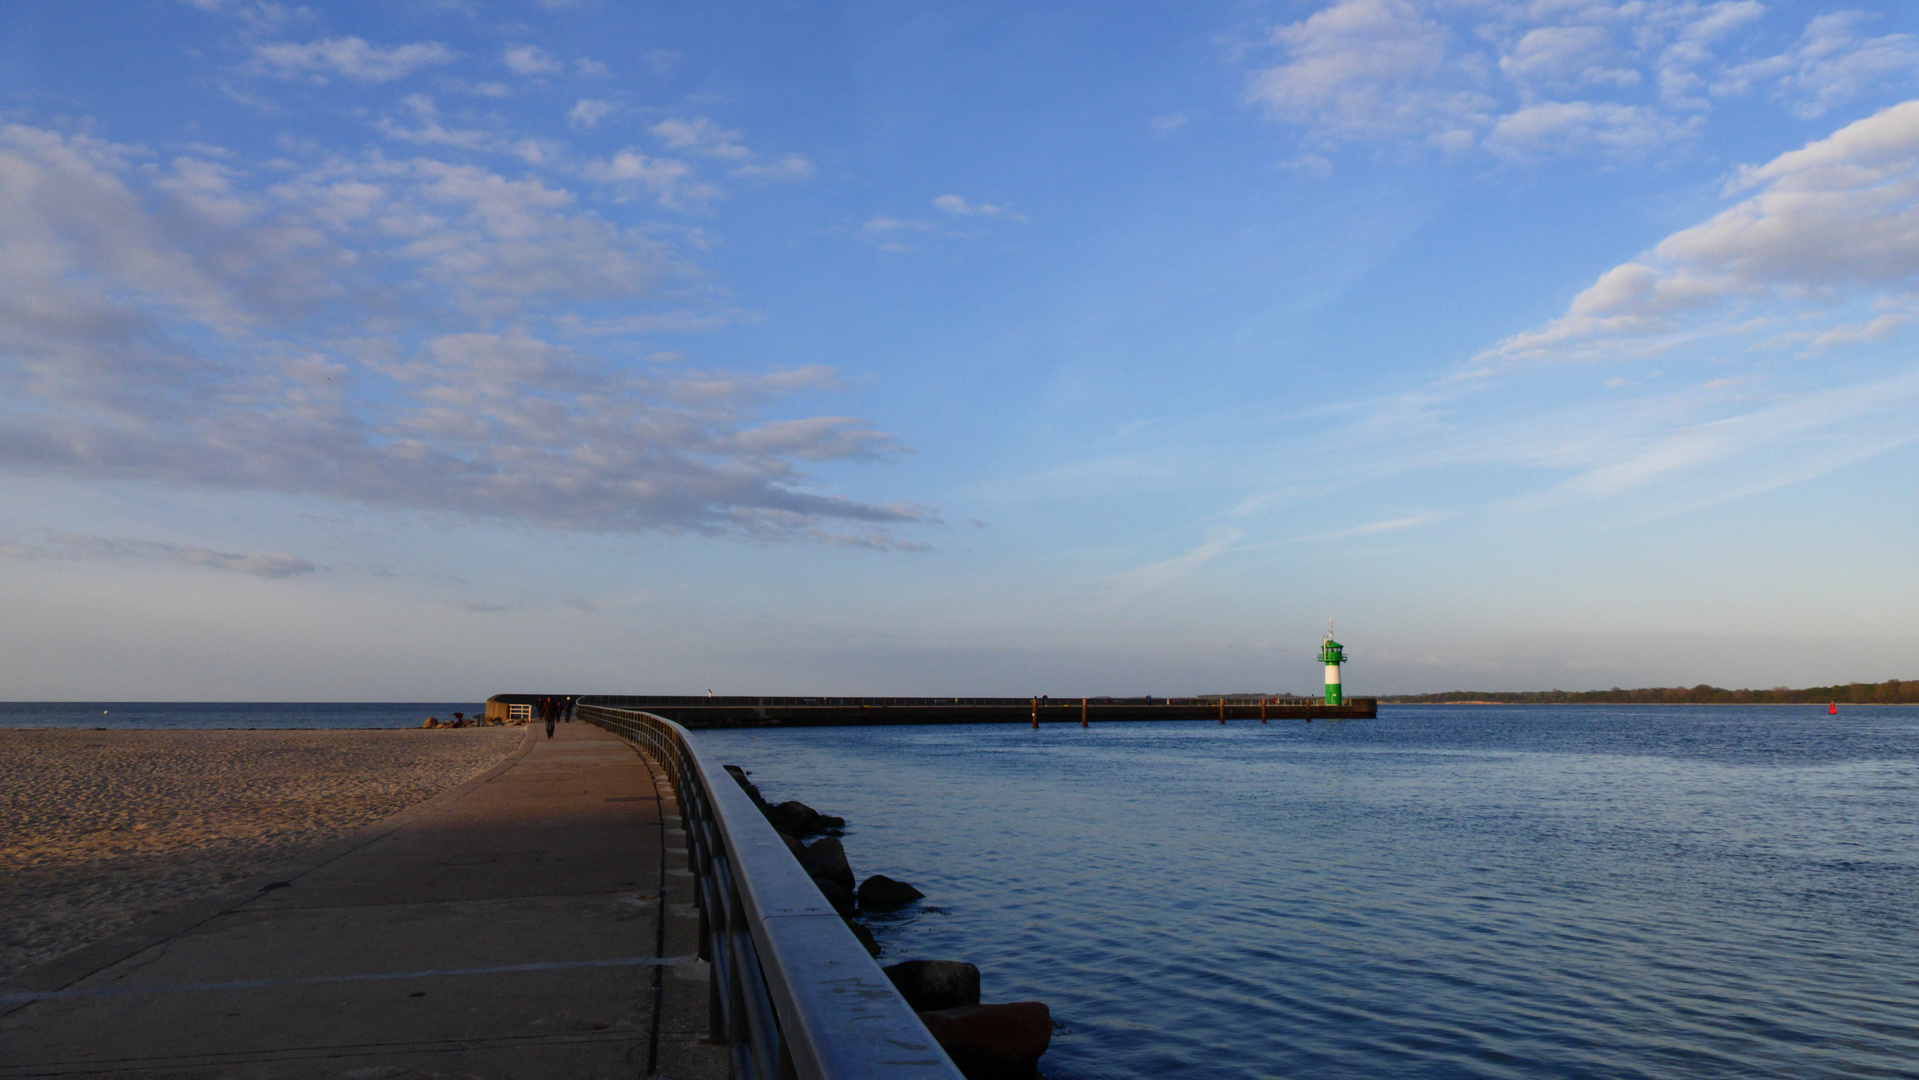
<point x="993" y="1042"/>
<point x="826" y="860"/>
<point x="929" y="985"/>
<point x="881" y="893"/>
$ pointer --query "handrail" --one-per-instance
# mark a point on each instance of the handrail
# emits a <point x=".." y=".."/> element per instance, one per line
<point x="793" y="993"/>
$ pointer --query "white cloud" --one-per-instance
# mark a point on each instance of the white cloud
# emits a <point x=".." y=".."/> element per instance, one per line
<point x="1161" y="574"/>
<point x="1367" y="68"/>
<point x="1167" y="124"/>
<point x="529" y="60"/>
<point x="887" y="224"/>
<point x="1873" y="332"/>
<point x="427" y="129"/>
<point x="818" y="438"/>
<point x="1566" y="58"/>
<point x="1775" y="327"/>
<point x="1621" y="81"/>
<point x="701" y="136"/>
<point x="480" y="89"/>
<point x="1760" y="449"/>
<point x="1310" y="164"/>
<point x="792" y="167"/>
<point x="78" y="547"/>
<point x="1374" y="528"/>
<point x="1827" y="226"/>
<point x="661" y="61"/>
<point x="348" y="58"/>
<point x="1625" y="132"/>
<point x="668" y="180"/>
<point x="959" y="207"/>
<point x="1832" y="63"/>
<point x="382" y="332"/>
<point x="586" y="114"/>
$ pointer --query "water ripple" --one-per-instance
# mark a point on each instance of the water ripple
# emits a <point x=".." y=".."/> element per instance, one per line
<point x="1443" y="892"/>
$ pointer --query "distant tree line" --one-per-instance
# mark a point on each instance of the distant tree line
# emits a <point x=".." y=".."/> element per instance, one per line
<point x="1890" y="692"/>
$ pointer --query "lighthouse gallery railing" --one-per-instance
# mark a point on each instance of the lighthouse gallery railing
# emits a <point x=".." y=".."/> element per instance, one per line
<point x="793" y="992"/>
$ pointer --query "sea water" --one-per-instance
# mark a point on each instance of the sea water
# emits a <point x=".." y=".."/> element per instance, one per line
<point x="1445" y="891"/>
<point x="227" y="714"/>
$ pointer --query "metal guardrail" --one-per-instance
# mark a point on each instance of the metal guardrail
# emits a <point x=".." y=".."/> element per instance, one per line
<point x="793" y="992"/>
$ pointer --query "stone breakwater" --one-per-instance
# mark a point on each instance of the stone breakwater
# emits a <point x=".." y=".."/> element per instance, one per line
<point x="986" y="1041"/>
<point x="105" y="828"/>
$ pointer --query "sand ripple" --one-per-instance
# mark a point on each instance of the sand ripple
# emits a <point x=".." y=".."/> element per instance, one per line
<point x="104" y="828"/>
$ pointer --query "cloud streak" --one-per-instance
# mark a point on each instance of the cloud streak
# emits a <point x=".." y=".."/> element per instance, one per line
<point x="391" y="333"/>
<point x="1824" y="229"/>
<point x="73" y="546"/>
<point x="349" y="58"/>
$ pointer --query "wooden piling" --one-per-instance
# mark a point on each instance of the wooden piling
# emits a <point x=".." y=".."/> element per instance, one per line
<point x="1035" y="714"/>
<point x="1082" y="712"/>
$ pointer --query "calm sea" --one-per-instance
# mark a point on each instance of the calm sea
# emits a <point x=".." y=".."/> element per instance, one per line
<point x="227" y="714"/>
<point x="1596" y="891"/>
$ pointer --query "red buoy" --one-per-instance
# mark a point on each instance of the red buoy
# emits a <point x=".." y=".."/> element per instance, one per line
<point x="1833" y="709"/>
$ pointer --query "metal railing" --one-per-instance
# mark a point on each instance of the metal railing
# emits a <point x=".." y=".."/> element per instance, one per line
<point x="793" y="992"/>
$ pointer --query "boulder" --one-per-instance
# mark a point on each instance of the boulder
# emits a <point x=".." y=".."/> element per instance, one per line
<point x="793" y="845"/>
<point x="993" y="1042"/>
<point x="865" y="936"/>
<point x="793" y="816"/>
<point x="837" y="895"/>
<point x="800" y="819"/>
<point x="431" y="721"/>
<point x="826" y="859"/>
<point x="879" y="893"/>
<point x="752" y="792"/>
<point x="929" y="985"/>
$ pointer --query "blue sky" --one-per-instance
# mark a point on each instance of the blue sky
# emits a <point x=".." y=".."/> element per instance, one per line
<point x="426" y="350"/>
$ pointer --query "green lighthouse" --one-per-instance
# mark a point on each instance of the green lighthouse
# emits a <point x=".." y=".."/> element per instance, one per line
<point x="1332" y="654"/>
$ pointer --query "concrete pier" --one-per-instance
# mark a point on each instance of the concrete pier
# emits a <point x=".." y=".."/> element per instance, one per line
<point x="740" y="711"/>
<point x="534" y="922"/>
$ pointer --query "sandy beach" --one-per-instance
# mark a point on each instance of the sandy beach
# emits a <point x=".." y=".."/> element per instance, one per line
<point x="104" y="828"/>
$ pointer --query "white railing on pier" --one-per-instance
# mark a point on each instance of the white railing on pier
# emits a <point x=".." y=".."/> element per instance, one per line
<point x="794" y="993"/>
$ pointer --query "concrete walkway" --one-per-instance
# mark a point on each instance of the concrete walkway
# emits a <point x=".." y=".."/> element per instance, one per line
<point x="534" y="922"/>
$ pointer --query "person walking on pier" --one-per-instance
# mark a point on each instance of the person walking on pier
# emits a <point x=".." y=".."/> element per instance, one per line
<point x="546" y="713"/>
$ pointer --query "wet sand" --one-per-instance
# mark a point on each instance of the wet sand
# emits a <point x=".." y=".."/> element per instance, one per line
<point x="104" y="828"/>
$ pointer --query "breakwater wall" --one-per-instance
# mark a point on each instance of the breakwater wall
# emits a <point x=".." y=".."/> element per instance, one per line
<point x="698" y="712"/>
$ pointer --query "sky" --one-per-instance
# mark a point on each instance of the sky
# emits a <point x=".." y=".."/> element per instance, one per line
<point x="424" y="351"/>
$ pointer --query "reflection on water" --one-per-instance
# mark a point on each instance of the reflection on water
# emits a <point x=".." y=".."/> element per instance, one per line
<point x="1447" y="891"/>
